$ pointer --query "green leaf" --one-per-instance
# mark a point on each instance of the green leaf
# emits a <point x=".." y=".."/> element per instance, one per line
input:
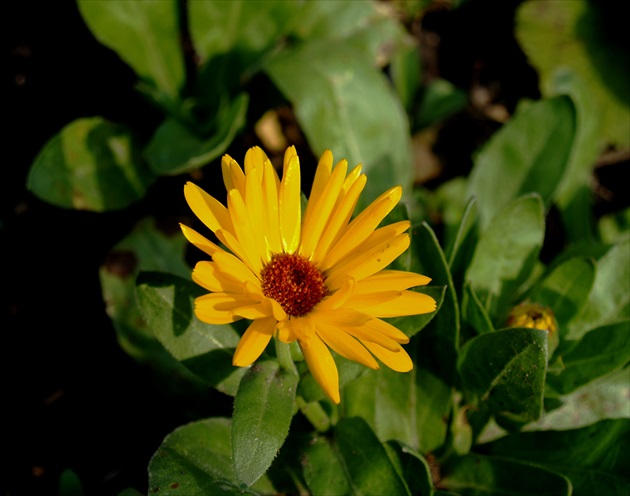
<point x="368" y="467"/>
<point x="130" y="491"/>
<point x="344" y="104"/>
<point x="529" y="154"/>
<point x="166" y="303"/>
<point x="412" y="407"/>
<point x="243" y="29"/>
<point x="598" y="353"/>
<point x="91" y="164"/>
<point x="505" y="371"/>
<point x="595" y="458"/>
<point x="440" y="339"/>
<point x="412" y="467"/>
<point x="574" y="194"/>
<point x="196" y="459"/>
<point x="505" y="255"/>
<point x="476" y="475"/>
<point x="460" y="250"/>
<point x="474" y="313"/>
<point x="609" y="300"/>
<point x="70" y="484"/>
<point x="146" y="248"/>
<point x="413" y="324"/>
<point x="615" y="226"/>
<point x="323" y="472"/>
<point x="557" y="35"/>
<point x="263" y="409"/>
<point x="565" y="289"/>
<point x="440" y="100"/>
<point x="405" y="70"/>
<point x="143" y="34"/>
<point x="175" y="149"/>
<point x="604" y="398"/>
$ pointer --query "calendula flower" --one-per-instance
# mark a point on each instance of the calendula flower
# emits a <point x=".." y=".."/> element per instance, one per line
<point x="317" y="279"/>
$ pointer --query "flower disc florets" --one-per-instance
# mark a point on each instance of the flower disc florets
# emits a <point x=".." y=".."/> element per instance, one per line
<point x="294" y="282"/>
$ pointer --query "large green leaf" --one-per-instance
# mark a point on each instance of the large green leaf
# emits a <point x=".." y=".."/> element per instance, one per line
<point x="476" y="475"/>
<point x="565" y="289"/>
<point x="474" y="313"/>
<point x="353" y="462"/>
<point x="412" y="467"/>
<point x="175" y="149"/>
<point x="143" y="34"/>
<point x="166" y="303"/>
<point x="196" y="460"/>
<point x="263" y="409"/>
<point x="343" y="103"/>
<point x="505" y="372"/>
<point x="609" y="300"/>
<point x="599" y="352"/>
<point x="440" y="339"/>
<point x="505" y="255"/>
<point x="91" y="164"/>
<point x="595" y="458"/>
<point x="557" y="35"/>
<point x="146" y="248"/>
<point x="529" y="154"/>
<point x="246" y="29"/>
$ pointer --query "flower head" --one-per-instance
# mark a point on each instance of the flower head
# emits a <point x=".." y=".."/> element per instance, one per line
<point x="318" y="279"/>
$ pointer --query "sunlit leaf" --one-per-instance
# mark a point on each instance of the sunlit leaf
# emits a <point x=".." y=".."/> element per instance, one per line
<point x="263" y="409"/>
<point x="573" y="34"/>
<point x="529" y="154"/>
<point x="343" y="103"/>
<point x="166" y="303"/>
<point x="143" y="34"/>
<point x="92" y="164"/>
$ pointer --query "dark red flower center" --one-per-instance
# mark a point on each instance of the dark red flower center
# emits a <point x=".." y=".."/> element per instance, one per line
<point x="294" y="282"/>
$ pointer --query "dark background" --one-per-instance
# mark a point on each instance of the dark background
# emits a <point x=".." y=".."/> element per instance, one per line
<point x="71" y="398"/>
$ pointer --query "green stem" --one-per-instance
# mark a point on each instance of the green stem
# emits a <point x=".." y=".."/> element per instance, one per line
<point x="283" y="354"/>
<point x="315" y="414"/>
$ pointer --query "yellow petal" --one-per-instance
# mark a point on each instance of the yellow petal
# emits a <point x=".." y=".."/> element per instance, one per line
<point x="209" y="210"/>
<point x="364" y="333"/>
<point x="235" y="247"/>
<point x="339" y="297"/>
<point x="200" y="241"/>
<point x="254" y="159"/>
<point x="363" y="225"/>
<point x="385" y="328"/>
<point x="368" y="262"/>
<point x="314" y="225"/>
<point x="229" y="264"/>
<point x="322" y="174"/>
<point x="244" y="231"/>
<point x="270" y="210"/>
<point x="289" y="205"/>
<point x="395" y="360"/>
<point x="352" y="177"/>
<point x="255" y="211"/>
<point x="208" y="276"/>
<point x="233" y="176"/>
<point x="395" y="280"/>
<point x="339" y="218"/>
<point x="259" y="310"/>
<point x="216" y="308"/>
<point x="408" y="303"/>
<point x="345" y="345"/>
<point x="253" y="342"/>
<point x="322" y="366"/>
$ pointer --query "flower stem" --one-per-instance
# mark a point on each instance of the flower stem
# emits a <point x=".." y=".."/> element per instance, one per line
<point x="283" y="354"/>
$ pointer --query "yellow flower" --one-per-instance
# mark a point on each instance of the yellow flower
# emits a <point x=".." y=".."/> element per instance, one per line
<point x="317" y="278"/>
